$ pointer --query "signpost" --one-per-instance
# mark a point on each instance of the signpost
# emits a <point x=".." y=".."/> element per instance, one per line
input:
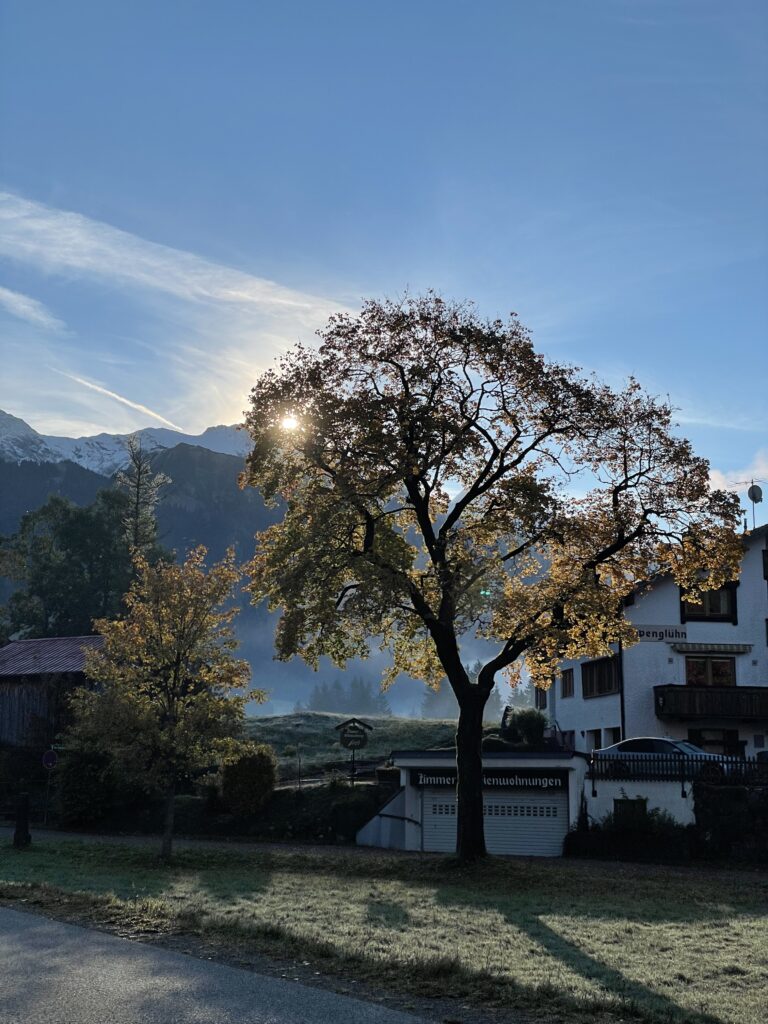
<point x="50" y="760"/>
<point x="353" y="735"/>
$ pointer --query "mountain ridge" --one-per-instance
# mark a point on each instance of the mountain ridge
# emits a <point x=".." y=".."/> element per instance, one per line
<point x="106" y="453"/>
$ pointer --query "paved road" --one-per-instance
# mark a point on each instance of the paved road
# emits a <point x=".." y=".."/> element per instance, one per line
<point x="53" y="973"/>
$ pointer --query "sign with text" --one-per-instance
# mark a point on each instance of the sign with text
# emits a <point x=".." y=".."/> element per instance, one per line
<point x="661" y="634"/>
<point x="495" y="778"/>
<point x="353" y="736"/>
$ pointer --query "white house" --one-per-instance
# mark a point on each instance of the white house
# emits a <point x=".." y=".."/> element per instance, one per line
<point x="699" y="672"/>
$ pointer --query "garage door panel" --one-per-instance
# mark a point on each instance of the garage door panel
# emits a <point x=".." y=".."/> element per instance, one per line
<point x="526" y="824"/>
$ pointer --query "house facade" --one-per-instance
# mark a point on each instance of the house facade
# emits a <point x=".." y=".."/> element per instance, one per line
<point x="699" y="671"/>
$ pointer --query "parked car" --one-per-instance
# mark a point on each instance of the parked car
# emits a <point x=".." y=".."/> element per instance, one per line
<point x="658" y="756"/>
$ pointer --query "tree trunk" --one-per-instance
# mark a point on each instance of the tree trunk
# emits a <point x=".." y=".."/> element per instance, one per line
<point x="470" y="832"/>
<point x="167" y="845"/>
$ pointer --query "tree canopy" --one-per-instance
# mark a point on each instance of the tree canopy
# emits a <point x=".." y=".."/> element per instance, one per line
<point x="166" y="705"/>
<point x="70" y="564"/>
<point x="442" y="478"/>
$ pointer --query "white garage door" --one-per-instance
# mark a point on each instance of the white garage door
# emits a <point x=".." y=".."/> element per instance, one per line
<point x="532" y="824"/>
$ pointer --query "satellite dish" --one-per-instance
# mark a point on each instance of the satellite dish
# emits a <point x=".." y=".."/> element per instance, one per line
<point x="755" y="494"/>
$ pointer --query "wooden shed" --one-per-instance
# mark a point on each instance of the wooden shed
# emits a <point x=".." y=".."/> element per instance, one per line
<point x="35" y="676"/>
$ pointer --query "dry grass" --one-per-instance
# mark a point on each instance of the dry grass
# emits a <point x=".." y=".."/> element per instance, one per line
<point x="566" y="940"/>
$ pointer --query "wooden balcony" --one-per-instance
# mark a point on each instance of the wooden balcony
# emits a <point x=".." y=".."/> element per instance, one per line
<point x="747" y="703"/>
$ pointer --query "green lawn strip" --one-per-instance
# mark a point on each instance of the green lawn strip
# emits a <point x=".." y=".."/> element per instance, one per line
<point x="562" y="940"/>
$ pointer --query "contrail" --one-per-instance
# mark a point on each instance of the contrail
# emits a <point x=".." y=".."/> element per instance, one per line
<point x="119" y="398"/>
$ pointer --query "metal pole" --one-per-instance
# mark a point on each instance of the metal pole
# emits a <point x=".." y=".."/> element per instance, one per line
<point x="47" y="797"/>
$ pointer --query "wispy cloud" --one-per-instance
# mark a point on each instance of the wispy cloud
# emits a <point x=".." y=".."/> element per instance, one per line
<point x="187" y="334"/>
<point x="739" y="479"/>
<point x="120" y="398"/>
<point x="26" y="308"/>
<point x="59" y="241"/>
<point x="736" y="421"/>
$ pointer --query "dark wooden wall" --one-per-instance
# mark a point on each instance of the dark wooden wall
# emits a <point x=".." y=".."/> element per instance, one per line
<point x="31" y="707"/>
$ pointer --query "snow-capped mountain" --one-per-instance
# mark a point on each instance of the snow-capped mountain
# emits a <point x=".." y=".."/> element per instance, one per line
<point x="105" y="453"/>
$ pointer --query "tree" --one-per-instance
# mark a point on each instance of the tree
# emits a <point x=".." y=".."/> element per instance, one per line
<point x="72" y="565"/>
<point x="358" y="697"/>
<point x="143" y="489"/>
<point x="520" y="695"/>
<point x="441" y="702"/>
<point x="443" y="480"/>
<point x="164" y="704"/>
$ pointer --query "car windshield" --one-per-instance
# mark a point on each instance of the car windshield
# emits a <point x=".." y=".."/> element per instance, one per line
<point x="690" y="748"/>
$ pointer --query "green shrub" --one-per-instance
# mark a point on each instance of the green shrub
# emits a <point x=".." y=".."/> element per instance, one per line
<point x="650" y="836"/>
<point x="350" y="812"/>
<point x="524" y="726"/>
<point x="190" y="814"/>
<point x="86" y="787"/>
<point x="732" y="821"/>
<point x="247" y="783"/>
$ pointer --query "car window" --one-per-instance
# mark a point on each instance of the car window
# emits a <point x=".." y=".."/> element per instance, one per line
<point x="663" y="747"/>
<point x="632" y="746"/>
<point x="690" y="748"/>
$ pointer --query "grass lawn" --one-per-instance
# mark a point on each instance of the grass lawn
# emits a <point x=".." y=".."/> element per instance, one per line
<point x="567" y="941"/>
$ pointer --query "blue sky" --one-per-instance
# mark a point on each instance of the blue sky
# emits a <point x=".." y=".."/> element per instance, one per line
<point x="190" y="187"/>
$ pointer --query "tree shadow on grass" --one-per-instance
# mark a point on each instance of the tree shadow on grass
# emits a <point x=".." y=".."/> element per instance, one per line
<point x="635" y="996"/>
<point x="387" y="914"/>
<point x="136" y="872"/>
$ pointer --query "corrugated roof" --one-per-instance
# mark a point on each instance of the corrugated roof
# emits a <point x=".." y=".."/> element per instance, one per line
<point x="46" y="656"/>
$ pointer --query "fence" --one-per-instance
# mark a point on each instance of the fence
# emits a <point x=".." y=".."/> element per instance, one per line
<point x="671" y="768"/>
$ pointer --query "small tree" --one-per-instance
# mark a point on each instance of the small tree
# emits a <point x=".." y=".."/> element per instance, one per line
<point x="441" y="479"/>
<point x="142" y="487"/>
<point x="164" y="705"/>
<point x="248" y="782"/>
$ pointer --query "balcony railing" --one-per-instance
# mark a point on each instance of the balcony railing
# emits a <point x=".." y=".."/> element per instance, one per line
<point x="748" y="703"/>
<point x="674" y="768"/>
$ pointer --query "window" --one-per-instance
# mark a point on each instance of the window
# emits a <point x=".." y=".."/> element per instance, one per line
<point x="594" y="739"/>
<point x="566" y="683"/>
<point x="611" y="736"/>
<point x="647" y="745"/>
<point x="715" y="606"/>
<point x="718" y="741"/>
<point x="568" y="739"/>
<point x="701" y="671"/>
<point x="600" y="677"/>
<point x="540" y="698"/>
<point x="630" y="813"/>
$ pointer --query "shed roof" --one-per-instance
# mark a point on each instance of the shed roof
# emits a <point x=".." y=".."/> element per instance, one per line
<point x="56" y="654"/>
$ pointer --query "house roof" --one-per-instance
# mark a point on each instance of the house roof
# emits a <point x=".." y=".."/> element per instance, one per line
<point x="47" y="656"/>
